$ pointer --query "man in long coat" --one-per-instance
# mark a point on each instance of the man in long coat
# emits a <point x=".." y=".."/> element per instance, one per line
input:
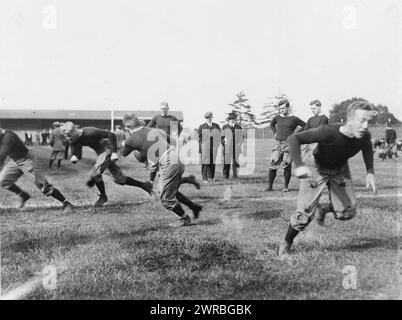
<point x="209" y="134"/>
<point x="232" y="140"/>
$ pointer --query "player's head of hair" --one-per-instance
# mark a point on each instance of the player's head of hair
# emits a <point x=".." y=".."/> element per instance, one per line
<point x="131" y="121"/>
<point x="68" y="127"/>
<point x="358" y="105"/>
<point x="284" y="103"/>
<point x="315" y="103"/>
<point x="164" y="105"/>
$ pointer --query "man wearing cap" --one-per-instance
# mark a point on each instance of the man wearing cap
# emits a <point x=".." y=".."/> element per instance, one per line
<point x="232" y="140"/>
<point x="152" y="146"/>
<point x="283" y="125"/>
<point x="57" y="142"/>
<point x="166" y="122"/>
<point x="23" y="163"/>
<point x="104" y="144"/>
<point x="208" y="140"/>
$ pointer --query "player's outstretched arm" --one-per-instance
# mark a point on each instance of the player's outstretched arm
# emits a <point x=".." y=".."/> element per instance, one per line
<point x="370" y="182"/>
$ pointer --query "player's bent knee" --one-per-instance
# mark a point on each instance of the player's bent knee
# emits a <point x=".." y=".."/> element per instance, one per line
<point x="96" y="178"/>
<point x="6" y="184"/>
<point x="300" y="220"/>
<point x="47" y="190"/>
<point x="169" y="204"/>
<point x="121" y="180"/>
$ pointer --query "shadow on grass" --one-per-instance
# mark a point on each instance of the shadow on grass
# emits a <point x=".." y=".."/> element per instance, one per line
<point x="135" y="233"/>
<point x="263" y="214"/>
<point x="364" y="243"/>
<point x="113" y="207"/>
<point x="64" y="240"/>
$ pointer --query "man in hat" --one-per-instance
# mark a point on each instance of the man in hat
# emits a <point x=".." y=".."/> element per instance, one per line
<point x="152" y="146"/>
<point x="57" y="142"/>
<point x="336" y="144"/>
<point x="104" y="144"/>
<point x="232" y="140"/>
<point x="208" y="139"/>
<point x="22" y="163"/>
<point x="283" y="125"/>
<point x="166" y="122"/>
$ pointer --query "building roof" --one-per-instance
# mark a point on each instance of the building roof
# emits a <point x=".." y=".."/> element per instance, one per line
<point x="78" y="114"/>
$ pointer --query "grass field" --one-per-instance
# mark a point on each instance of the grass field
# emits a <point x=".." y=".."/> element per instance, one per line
<point x="127" y="250"/>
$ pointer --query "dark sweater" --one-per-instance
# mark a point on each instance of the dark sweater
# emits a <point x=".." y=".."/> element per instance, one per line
<point x="96" y="139"/>
<point x="316" y="121"/>
<point x="333" y="149"/>
<point x="390" y="136"/>
<point x="163" y="122"/>
<point x="284" y="127"/>
<point x="12" y="146"/>
<point x="150" y="143"/>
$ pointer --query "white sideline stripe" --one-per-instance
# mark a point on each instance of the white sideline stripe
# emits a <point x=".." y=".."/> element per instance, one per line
<point x="25" y="289"/>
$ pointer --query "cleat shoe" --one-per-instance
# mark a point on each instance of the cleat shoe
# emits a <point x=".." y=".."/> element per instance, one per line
<point x="100" y="201"/>
<point x="267" y="189"/>
<point x="185" y="221"/>
<point x="321" y="216"/>
<point x="24" y="197"/>
<point x="68" y="208"/>
<point x="285" y="190"/>
<point x="193" y="181"/>
<point x="196" y="211"/>
<point x="283" y="252"/>
<point x="148" y="187"/>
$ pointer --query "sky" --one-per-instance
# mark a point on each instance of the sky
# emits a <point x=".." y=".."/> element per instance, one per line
<point x="198" y="54"/>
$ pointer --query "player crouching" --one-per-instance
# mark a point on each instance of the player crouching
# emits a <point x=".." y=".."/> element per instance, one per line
<point x="104" y="144"/>
<point x="336" y="144"/>
<point x="22" y="162"/>
<point x="153" y="146"/>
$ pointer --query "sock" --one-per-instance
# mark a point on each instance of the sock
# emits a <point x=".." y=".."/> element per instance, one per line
<point x="58" y="164"/>
<point x="101" y="187"/>
<point x="178" y="209"/>
<point x="287" y="174"/>
<point x="58" y="196"/>
<point x="50" y="164"/>
<point x="183" y="199"/>
<point x="134" y="183"/>
<point x="271" y="177"/>
<point x="290" y="235"/>
<point x="15" y="189"/>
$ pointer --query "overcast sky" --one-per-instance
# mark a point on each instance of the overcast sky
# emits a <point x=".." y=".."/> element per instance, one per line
<point x="197" y="54"/>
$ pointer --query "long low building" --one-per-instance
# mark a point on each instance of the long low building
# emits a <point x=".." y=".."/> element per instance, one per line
<point x="42" y="119"/>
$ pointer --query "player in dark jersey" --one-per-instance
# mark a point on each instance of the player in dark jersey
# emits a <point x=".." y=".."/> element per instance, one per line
<point x="336" y="144"/>
<point x="166" y="122"/>
<point x="153" y="146"/>
<point x="282" y="125"/>
<point x="22" y="162"/>
<point x="104" y="144"/>
<point x="315" y="121"/>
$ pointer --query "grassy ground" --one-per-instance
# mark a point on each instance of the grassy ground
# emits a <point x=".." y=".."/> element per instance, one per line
<point x="127" y="250"/>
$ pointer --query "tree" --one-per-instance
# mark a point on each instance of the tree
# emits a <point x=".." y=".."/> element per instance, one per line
<point x="381" y="114"/>
<point x="270" y="109"/>
<point x="242" y="109"/>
